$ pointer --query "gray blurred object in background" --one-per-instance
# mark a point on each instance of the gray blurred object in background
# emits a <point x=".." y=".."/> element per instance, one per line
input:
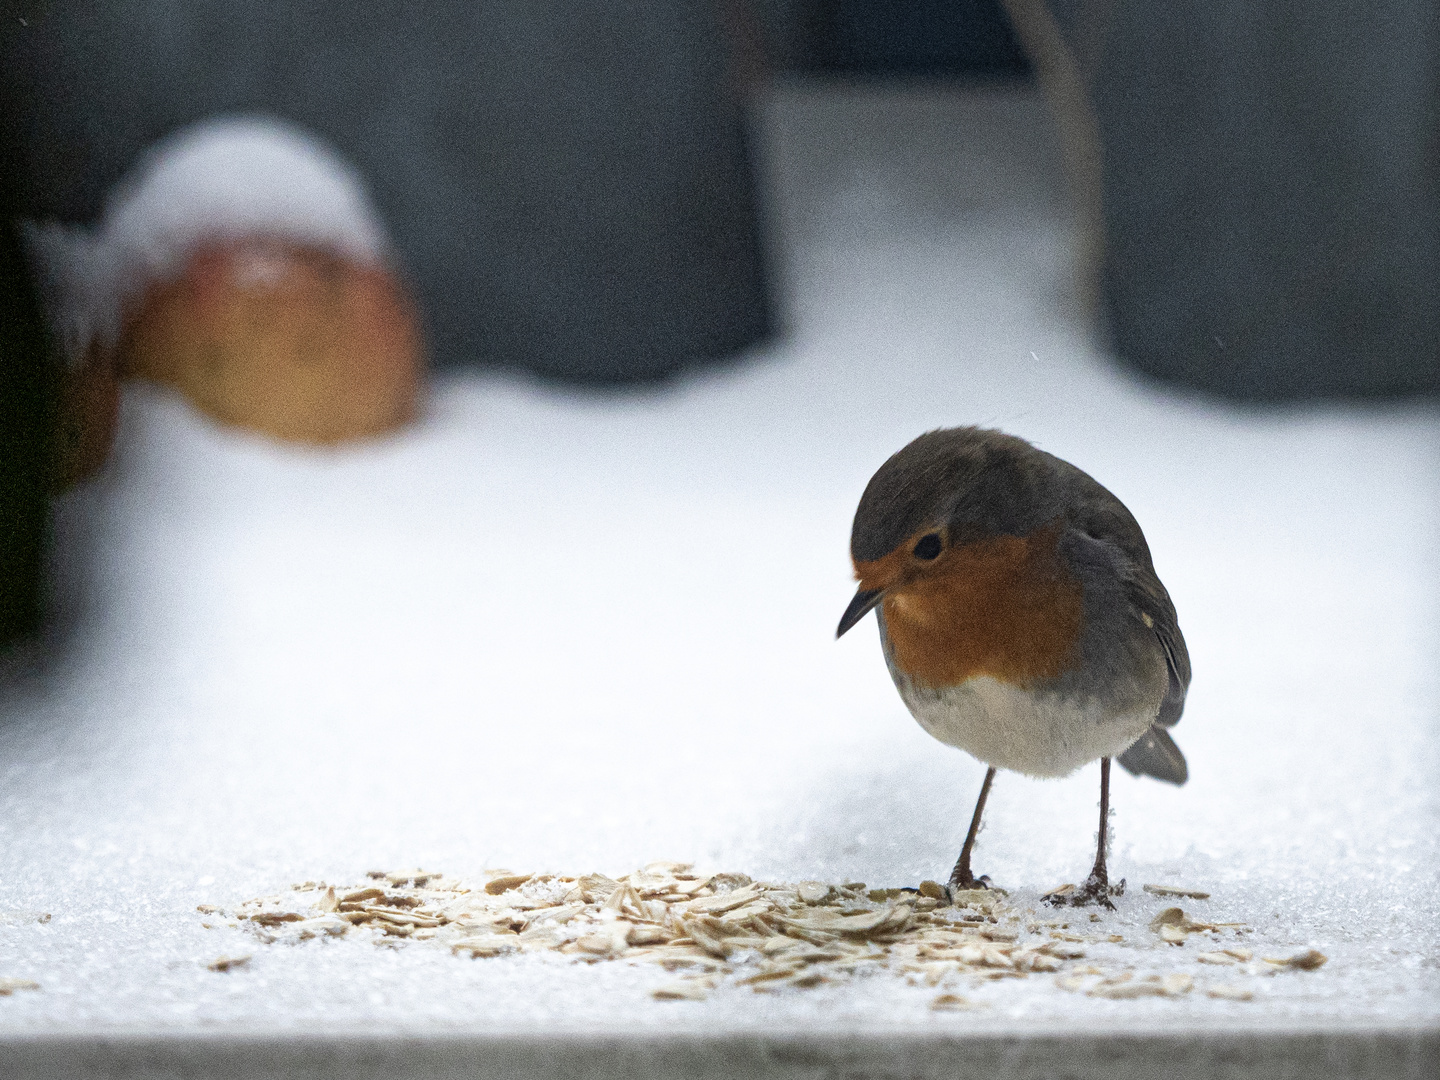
<point x="568" y="185"/>
<point x="1268" y="177"/>
<point x="1258" y="183"/>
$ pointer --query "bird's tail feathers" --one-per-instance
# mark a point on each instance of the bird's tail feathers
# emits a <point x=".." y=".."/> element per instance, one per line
<point x="1155" y="754"/>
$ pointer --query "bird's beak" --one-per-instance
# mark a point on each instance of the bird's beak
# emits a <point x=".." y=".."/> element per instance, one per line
<point x="859" y="607"/>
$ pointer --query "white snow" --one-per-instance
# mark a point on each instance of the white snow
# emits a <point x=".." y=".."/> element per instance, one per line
<point x="554" y="631"/>
<point x="226" y="178"/>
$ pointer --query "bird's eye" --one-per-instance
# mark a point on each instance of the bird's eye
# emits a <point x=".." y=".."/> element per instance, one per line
<point x="928" y="546"/>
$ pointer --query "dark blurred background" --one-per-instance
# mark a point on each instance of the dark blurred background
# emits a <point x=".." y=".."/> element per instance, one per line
<point x="964" y="40"/>
<point x="571" y="191"/>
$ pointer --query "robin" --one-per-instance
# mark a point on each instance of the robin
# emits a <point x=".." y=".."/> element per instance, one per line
<point x="1020" y="617"/>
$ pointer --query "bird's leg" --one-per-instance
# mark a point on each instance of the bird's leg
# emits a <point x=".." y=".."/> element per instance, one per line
<point x="1097" y="888"/>
<point x="960" y="877"/>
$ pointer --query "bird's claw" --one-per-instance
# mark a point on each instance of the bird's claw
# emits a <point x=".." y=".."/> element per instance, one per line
<point x="967" y="884"/>
<point x="1096" y="890"/>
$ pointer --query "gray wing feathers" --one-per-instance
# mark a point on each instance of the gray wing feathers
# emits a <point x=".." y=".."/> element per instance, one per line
<point x="1177" y="659"/>
<point x="1155" y="754"/>
<point x="1103" y="518"/>
<point x="1105" y="533"/>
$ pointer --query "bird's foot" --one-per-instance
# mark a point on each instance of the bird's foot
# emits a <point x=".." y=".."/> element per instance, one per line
<point x="1096" y="890"/>
<point x="966" y="883"/>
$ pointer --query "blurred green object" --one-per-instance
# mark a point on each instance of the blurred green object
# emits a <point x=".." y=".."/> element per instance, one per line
<point x="28" y="390"/>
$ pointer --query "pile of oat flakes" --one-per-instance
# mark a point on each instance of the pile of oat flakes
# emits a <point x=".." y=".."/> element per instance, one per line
<point x="765" y="935"/>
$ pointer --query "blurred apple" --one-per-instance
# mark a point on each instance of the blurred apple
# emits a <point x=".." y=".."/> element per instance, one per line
<point x="296" y="342"/>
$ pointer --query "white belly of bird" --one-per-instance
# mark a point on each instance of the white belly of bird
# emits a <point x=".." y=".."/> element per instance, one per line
<point x="1012" y="728"/>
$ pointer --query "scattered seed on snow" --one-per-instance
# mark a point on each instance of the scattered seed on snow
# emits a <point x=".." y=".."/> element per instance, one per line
<point x="764" y="935"/>
<point x="1176" y="890"/>
<point x="1305" y="961"/>
<point x="950" y="1003"/>
<point x="504" y="884"/>
<point x="1231" y="992"/>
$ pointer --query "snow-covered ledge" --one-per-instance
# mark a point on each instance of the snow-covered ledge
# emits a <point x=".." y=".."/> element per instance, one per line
<point x="561" y="634"/>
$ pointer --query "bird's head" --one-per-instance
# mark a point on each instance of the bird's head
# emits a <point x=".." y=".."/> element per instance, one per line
<point x="944" y="492"/>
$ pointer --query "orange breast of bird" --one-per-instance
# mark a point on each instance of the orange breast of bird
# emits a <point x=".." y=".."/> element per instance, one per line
<point x="1005" y="607"/>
